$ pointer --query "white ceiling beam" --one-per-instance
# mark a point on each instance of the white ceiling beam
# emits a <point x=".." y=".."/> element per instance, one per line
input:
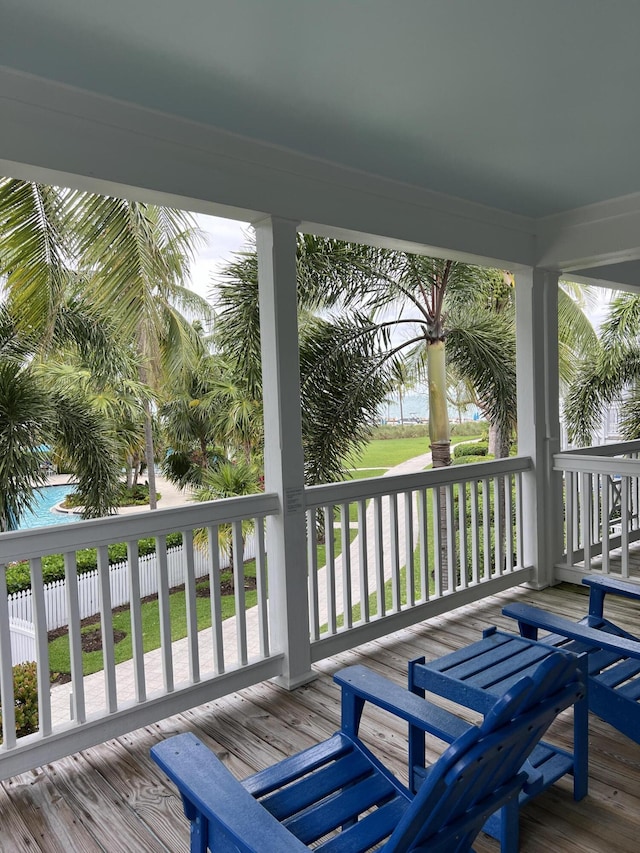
<point x="597" y="235"/>
<point x="52" y="132"/>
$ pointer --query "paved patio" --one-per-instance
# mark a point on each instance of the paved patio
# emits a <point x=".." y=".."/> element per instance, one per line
<point x="170" y="494"/>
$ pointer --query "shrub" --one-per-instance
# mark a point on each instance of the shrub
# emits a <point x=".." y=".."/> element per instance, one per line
<point x="400" y="431"/>
<point x="470" y="428"/>
<point x="470" y="460"/>
<point x="475" y="448"/>
<point x="25" y="691"/>
<point x="135" y="496"/>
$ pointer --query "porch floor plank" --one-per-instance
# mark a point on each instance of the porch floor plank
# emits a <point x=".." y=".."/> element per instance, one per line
<point x="114" y="798"/>
<point x="53" y="823"/>
<point x="146" y="803"/>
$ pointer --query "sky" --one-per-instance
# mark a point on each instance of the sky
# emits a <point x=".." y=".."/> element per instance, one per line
<point x="223" y="238"/>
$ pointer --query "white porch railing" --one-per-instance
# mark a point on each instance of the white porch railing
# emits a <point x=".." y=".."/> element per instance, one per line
<point x="602" y="509"/>
<point x="400" y="568"/>
<point x="425" y="543"/>
<point x="151" y="685"/>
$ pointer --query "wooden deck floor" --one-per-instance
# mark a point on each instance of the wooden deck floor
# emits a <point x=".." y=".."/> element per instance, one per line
<point x="113" y="798"/>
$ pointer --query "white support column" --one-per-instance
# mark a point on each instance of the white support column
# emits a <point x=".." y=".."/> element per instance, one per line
<point x="539" y="418"/>
<point x="283" y="454"/>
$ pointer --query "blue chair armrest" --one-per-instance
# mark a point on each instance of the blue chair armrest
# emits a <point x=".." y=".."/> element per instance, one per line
<point x="360" y="685"/>
<point x="527" y="615"/>
<point x="211" y="792"/>
<point x="599" y="587"/>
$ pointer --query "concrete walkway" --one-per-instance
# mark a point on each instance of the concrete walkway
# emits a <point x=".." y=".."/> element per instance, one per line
<point x="95" y="701"/>
<point x="411" y="466"/>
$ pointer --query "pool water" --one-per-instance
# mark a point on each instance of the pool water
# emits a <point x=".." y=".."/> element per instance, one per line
<point x="41" y="515"/>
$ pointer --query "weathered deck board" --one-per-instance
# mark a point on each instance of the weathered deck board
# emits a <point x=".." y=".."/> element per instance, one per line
<point x="114" y="798"/>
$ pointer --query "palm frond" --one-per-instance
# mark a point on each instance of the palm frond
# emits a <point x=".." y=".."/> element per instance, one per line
<point x="344" y="381"/>
<point x="89" y="446"/>
<point x="481" y="346"/>
<point x="600" y="380"/>
<point x="26" y="421"/>
<point x="577" y="339"/>
<point x="34" y="253"/>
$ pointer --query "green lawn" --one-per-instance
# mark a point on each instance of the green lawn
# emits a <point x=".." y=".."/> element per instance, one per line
<point x="59" y="660"/>
<point x="362" y="474"/>
<point x="337" y="547"/>
<point x="385" y="453"/>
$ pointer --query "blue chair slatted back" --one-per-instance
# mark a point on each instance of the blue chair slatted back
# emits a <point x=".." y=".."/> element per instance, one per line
<point x="483" y="766"/>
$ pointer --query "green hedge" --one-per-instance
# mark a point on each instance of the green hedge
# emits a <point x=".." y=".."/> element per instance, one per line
<point x="471" y="460"/>
<point x="19" y="576"/>
<point x="472" y="448"/>
<point x="384" y="431"/>
<point x="470" y="428"/>
<point x="135" y="496"/>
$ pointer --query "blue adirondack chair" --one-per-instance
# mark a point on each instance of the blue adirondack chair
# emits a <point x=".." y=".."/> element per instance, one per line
<point x="613" y="654"/>
<point x="339" y="797"/>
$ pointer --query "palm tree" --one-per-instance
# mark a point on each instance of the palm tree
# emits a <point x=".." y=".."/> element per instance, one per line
<point x="114" y="394"/>
<point x="35" y="413"/>
<point x="136" y="258"/>
<point x="192" y="422"/>
<point x="344" y="378"/>
<point x="609" y="373"/>
<point x="40" y="313"/>
<point x="119" y="260"/>
<point x="376" y="305"/>
<point x="229" y="479"/>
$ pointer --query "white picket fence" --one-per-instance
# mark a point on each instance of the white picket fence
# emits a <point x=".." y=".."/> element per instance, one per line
<point x="23" y="641"/>
<point x="21" y="606"/>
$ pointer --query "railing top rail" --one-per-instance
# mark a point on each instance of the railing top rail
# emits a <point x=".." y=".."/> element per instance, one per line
<point x="606" y="450"/>
<point x="597" y="464"/>
<point x="38" y="542"/>
<point x="353" y="490"/>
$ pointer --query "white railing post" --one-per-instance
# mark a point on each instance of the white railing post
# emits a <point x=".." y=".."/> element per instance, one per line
<point x="539" y="419"/>
<point x="283" y="455"/>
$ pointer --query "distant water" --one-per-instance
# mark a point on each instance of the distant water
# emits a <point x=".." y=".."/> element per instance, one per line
<point x="42" y="514"/>
<point x="415" y="409"/>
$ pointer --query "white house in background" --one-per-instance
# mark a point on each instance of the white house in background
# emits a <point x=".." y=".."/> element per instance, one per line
<point x="503" y="132"/>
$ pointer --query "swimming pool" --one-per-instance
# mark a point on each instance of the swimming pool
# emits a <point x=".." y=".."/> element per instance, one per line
<point x="41" y="515"/>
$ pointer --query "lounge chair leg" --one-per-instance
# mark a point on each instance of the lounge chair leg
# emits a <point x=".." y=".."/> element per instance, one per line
<point x="509" y="827"/>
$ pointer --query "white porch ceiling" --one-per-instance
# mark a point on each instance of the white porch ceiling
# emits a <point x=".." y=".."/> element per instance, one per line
<point x="524" y="106"/>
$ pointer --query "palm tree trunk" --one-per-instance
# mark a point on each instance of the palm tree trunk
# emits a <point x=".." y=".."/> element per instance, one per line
<point x="135" y="470"/>
<point x="148" y="432"/>
<point x="440" y="437"/>
<point x="499" y="441"/>
<point x="149" y="451"/>
<point x="439" y="429"/>
<point x="130" y="463"/>
<point x="203" y="452"/>
<point x="499" y="446"/>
